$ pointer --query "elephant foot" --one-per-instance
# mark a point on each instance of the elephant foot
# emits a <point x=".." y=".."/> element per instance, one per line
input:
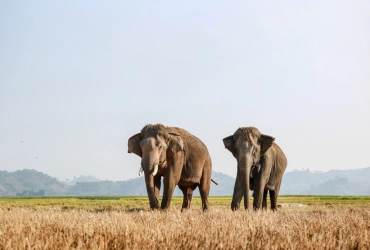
<point x="163" y="210"/>
<point x="154" y="207"/>
<point x="235" y="206"/>
<point x="205" y="207"/>
<point x="184" y="209"/>
<point x="259" y="208"/>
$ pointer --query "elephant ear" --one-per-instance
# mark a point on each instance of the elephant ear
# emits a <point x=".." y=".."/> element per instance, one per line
<point x="266" y="143"/>
<point x="230" y="144"/>
<point x="134" y="145"/>
<point x="175" y="144"/>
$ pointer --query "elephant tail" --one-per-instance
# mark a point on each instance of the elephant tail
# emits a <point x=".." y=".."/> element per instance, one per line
<point x="214" y="182"/>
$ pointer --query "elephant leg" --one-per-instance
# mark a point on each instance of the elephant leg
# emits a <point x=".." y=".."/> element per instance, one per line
<point x="204" y="196"/>
<point x="264" y="202"/>
<point x="185" y="198"/>
<point x="188" y="196"/>
<point x="273" y="199"/>
<point x="169" y="182"/>
<point x="273" y="196"/>
<point x="157" y="186"/>
<point x="238" y="193"/>
<point x="205" y="183"/>
<point x="171" y="178"/>
<point x="259" y="191"/>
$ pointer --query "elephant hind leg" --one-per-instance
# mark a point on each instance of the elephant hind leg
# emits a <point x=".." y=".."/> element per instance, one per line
<point x="204" y="196"/>
<point x="185" y="203"/>
<point x="274" y="195"/>
<point x="264" y="201"/>
<point x="205" y="183"/>
<point x="187" y="196"/>
<point x="273" y="199"/>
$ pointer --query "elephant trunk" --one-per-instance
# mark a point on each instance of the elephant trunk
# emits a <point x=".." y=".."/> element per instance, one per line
<point x="244" y="166"/>
<point x="150" y="166"/>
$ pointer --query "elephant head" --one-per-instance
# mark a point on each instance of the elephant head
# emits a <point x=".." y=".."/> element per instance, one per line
<point x="155" y="144"/>
<point x="247" y="145"/>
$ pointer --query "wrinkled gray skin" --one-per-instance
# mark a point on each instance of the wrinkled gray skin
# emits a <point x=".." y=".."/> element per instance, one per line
<point x="180" y="157"/>
<point x="257" y="152"/>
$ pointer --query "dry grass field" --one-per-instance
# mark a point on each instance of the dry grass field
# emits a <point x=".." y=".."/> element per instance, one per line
<point x="126" y="223"/>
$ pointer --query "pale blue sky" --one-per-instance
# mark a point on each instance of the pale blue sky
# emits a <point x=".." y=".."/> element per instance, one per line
<point x="78" y="78"/>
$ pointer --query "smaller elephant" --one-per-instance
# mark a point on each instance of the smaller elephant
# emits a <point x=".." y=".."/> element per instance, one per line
<point x="261" y="165"/>
<point x="180" y="157"/>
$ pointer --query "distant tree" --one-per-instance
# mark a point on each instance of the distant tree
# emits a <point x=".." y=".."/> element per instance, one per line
<point x="31" y="193"/>
<point x="41" y="192"/>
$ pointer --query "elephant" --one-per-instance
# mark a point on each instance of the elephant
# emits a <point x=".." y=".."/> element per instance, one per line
<point x="261" y="165"/>
<point x="180" y="157"/>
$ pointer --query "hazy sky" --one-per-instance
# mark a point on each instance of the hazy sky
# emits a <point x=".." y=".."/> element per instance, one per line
<point x="78" y="78"/>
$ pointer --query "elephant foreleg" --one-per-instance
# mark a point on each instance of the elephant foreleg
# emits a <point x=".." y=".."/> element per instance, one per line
<point x="259" y="195"/>
<point x="169" y="187"/>
<point x="171" y="178"/>
<point x="157" y="186"/>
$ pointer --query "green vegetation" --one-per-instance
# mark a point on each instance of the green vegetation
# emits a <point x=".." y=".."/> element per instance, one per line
<point x="31" y="193"/>
<point x="314" y="199"/>
<point x="133" y="203"/>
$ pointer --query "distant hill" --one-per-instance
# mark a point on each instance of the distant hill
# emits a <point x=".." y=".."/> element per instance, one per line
<point x="81" y="178"/>
<point x="340" y="186"/>
<point x="225" y="184"/>
<point x="33" y="183"/>
<point x="137" y="187"/>
<point x="333" y="182"/>
<point x="130" y="187"/>
<point x="29" y="182"/>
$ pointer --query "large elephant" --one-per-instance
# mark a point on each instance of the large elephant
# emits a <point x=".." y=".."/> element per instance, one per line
<point x="180" y="157"/>
<point x="261" y="165"/>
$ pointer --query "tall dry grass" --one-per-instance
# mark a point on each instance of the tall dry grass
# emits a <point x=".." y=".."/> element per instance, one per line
<point x="313" y="227"/>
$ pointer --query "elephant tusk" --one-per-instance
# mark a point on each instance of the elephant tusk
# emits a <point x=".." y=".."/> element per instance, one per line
<point x="155" y="170"/>
<point x="141" y="170"/>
